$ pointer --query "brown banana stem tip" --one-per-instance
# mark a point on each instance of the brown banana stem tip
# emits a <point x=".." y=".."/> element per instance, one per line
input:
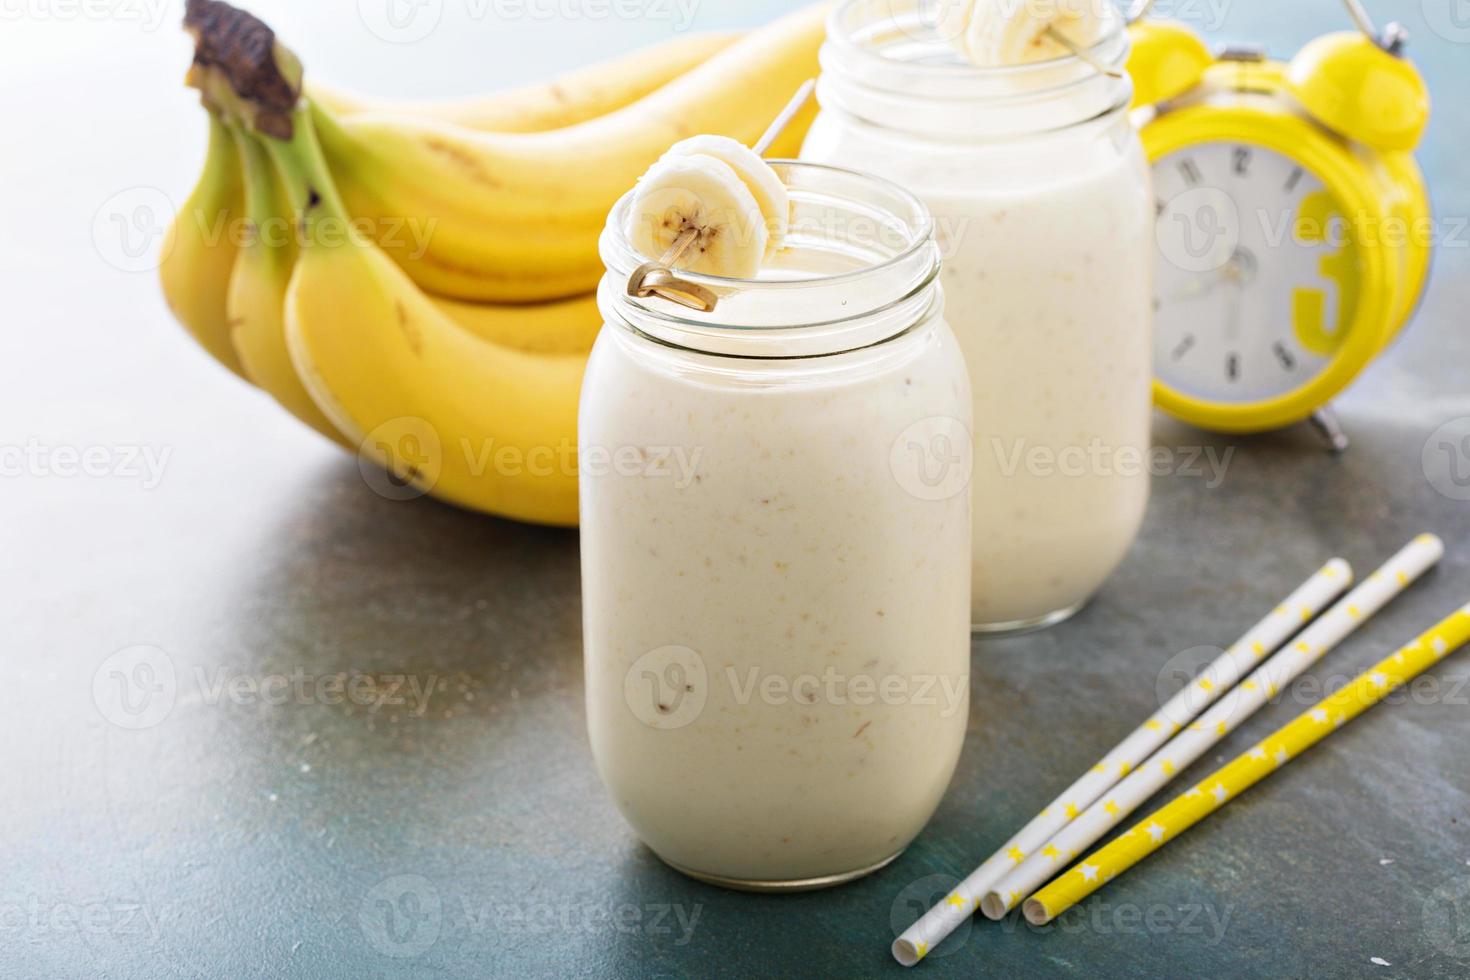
<point x="241" y="49"/>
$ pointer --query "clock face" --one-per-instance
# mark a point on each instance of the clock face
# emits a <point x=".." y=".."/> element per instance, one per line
<point x="1256" y="279"/>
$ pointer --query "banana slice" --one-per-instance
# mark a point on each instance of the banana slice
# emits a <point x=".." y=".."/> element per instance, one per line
<point x="699" y="192"/>
<point x="767" y="189"/>
<point x="995" y="33"/>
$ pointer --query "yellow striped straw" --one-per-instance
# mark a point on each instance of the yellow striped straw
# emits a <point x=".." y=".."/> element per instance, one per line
<point x="1225" y="784"/>
<point x="1262" y="639"/>
<point x="1159" y="769"/>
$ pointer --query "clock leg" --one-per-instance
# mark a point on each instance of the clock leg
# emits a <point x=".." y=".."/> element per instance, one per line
<point x="1324" y="420"/>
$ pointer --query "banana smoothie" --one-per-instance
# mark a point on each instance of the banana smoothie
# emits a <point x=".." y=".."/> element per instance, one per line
<point x="775" y="551"/>
<point x="1060" y="361"/>
<point x="1040" y="191"/>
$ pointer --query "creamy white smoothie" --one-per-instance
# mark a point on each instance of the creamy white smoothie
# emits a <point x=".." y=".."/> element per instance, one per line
<point x="776" y="580"/>
<point x="1042" y="284"/>
<point x="1040" y="192"/>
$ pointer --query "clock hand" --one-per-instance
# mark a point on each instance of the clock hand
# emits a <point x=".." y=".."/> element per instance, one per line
<point x="1238" y="272"/>
<point x="1234" y="309"/>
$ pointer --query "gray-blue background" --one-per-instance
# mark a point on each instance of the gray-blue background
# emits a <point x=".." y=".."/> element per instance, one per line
<point x="243" y="838"/>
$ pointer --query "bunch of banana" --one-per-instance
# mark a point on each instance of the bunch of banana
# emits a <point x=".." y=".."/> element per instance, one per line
<point x="517" y="215"/>
<point x="454" y="360"/>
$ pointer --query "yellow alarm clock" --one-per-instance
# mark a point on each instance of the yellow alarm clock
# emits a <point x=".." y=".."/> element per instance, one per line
<point x="1293" y="225"/>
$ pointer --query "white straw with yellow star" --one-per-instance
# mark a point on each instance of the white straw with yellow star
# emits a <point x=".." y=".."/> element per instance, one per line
<point x="1250" y="768"/>
<point x="1263" y="638"/>
<point x="1312" y="644"/>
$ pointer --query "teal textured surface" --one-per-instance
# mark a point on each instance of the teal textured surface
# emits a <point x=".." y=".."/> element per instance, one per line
<point x="435" y="812"/>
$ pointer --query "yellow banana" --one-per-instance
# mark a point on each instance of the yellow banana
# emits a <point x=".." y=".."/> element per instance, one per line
<point x="515" y="217"/>
<point x="566" y="326"/>
<point x="199" y="250"/>
<point x="565" y="100"/>
<point x="262" y="273"/>
<point x="257" y="291"/>
<point x="478" y="424"/>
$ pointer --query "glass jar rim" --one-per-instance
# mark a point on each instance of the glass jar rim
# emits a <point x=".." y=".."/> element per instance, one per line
<point x="627" y="259"/>
<point x="886" y="66"/>
<point x="876" y="237"/>
<point x="841" y="36"/>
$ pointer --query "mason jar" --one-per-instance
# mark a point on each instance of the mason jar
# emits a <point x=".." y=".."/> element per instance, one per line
<point x="775" y="563"/>
<point x="1041" y="197"/>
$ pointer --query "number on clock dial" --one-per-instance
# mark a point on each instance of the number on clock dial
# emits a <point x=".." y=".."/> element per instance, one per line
<point x="1246" y="309"/>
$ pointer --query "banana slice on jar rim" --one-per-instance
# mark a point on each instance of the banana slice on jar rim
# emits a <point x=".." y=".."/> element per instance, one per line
<point x="762" y="182"/>
<point x="996" y="33"/>
<point x="722" y="190"/>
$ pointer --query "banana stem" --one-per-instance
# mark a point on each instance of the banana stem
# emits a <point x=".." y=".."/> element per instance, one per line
<point x="309" y="186"/>
<point x="329" y="129"/>
<point x="238" y="60"/>
<point x="262" y="201"/>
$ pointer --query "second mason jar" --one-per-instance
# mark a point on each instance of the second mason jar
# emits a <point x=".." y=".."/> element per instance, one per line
<point x="1041" y="196"/>
<point x="775" y="557"/>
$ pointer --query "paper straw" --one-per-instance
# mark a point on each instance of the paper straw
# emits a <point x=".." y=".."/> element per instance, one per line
<point x="1249" y="768"/>
<point x="1332" y="628"/>
<point x="1263" y="638"/>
